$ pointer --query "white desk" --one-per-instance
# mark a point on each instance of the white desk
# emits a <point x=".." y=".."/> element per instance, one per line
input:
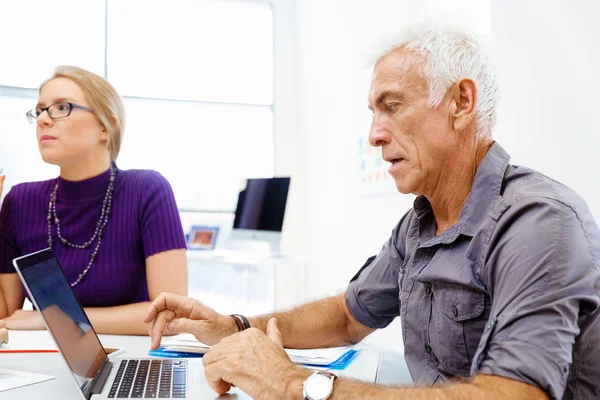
<point x="364" y="367"/>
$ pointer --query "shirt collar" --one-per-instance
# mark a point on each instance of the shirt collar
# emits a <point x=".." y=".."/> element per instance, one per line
<point x="88" y="189"/>
<point x="484" y="191"/>
<point x="486" y="188"/>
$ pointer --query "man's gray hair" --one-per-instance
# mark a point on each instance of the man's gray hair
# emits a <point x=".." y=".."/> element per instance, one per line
<point x="451" y="54"/>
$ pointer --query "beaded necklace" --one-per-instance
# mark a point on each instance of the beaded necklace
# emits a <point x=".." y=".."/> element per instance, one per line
<point x="106" y="204"/>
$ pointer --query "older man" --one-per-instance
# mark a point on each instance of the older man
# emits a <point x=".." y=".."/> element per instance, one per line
<point x="494" y="273"/>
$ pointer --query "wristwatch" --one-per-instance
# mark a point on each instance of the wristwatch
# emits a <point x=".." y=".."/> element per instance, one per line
<point x="318" y="386"/>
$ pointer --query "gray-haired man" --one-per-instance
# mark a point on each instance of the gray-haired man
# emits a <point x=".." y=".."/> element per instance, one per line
<point x="494" y="273"/>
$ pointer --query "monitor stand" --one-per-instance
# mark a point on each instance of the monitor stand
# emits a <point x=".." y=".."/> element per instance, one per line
<point x="254" y="241"/>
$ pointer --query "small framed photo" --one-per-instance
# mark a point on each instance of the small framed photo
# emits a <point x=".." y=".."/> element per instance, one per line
<point x="203" y="237"/>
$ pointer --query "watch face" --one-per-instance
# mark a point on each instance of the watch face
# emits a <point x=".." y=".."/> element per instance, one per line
<point x="318" y="387"/>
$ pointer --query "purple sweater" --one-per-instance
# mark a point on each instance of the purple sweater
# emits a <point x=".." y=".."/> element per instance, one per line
<point x="144" y="221"/>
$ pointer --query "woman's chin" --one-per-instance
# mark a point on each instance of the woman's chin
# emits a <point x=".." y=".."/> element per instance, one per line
<point x="51" y="158"/>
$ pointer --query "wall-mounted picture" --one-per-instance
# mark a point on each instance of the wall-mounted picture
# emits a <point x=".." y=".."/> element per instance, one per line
<point x="203" y="237"/>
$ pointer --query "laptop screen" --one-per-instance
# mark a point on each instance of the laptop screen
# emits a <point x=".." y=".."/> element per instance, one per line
<point x="51" y="293"/>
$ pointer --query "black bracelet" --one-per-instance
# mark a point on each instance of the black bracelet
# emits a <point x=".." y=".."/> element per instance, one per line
<point x="238" y="323"/>
<point x="243" y="319"/>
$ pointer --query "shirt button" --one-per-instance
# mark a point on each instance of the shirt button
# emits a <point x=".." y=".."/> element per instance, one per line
<point x="490" y="324"/>
<point x="427" y="288"/>
<point x="455" y="311"/>
<point x="427" y="349"/>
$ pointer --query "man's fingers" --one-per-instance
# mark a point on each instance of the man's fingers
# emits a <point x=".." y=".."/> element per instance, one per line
<point x="181" y="325"/>
<point x="150" y="328"/>
<point x="151" y="314"/>
<point x="167" y="301"/>
<point x="184" y="307"/>
<point x="273" y="332"/>
<point x="159" y="325"/>
<point x="164" y="301"/>
<point x="213" y="374"/>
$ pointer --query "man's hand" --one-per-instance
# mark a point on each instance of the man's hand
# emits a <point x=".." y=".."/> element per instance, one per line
<point x="170" y="313"/>
<point x="3" y="332"/>
<point x="253" y="361"/>
<point x="25" y="321"/>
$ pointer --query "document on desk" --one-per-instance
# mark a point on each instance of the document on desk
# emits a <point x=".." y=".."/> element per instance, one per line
<point x="328" y="357"/>
<point x="31" y="340"/>
<point x="12" y="379"/>
<point x="317" y="356"/>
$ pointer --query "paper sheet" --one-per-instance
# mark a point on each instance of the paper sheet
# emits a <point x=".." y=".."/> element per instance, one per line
<point x="325" y="356"/>
<point x="31" y="340"/>
<point x="186" y="344"/>
<point x="317" y="356"/>
<point x="12" y="379"/>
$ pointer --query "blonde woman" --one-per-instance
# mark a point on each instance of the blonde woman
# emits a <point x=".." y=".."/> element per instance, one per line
<point x="3" y="331"/>
<point x="117" y="233"/>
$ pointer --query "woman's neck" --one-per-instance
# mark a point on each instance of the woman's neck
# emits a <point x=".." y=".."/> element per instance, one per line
<point x="79" y="171"/>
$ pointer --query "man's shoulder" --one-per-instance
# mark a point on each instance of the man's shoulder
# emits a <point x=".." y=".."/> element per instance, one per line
<point x="523" y="186"/>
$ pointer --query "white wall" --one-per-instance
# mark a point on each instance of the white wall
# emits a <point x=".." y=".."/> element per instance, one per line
<point x="548" y="58"/>
<point x="547" y="53"/>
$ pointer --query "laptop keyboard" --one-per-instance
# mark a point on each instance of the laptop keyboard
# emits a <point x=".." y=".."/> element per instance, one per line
<point x="147" y="379"/>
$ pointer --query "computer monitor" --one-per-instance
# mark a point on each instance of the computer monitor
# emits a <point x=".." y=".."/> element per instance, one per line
<point x="259" y="214"/>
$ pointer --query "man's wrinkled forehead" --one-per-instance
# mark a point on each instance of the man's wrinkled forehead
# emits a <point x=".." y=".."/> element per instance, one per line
<point x="398" y="70"/>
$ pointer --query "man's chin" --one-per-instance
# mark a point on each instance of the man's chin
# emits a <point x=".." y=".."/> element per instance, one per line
<point x="405" y="187"/>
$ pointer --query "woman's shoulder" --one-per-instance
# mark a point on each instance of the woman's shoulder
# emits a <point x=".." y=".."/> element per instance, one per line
<point x="35" y="189"/>
<point x="142" y="178"/>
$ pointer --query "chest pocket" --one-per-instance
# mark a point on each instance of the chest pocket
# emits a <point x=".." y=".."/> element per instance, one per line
<point x="460" y="321"/>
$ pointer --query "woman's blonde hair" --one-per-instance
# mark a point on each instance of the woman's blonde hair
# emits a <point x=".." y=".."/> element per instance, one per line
<point x="103" y="99"/>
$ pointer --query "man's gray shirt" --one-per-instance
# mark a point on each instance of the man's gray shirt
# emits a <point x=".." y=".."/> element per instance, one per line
<point x="513" y="289"/>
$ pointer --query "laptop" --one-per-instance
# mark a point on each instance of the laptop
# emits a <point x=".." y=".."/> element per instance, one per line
<point x="97" y="376"/>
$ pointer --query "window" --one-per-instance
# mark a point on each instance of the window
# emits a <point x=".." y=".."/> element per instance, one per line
<point x="204" y="149"/>
<point x="18" y="143"/>
<point x="203" y="50"/>
<point x="196" y="78"/>
<point x="38" y="35"/>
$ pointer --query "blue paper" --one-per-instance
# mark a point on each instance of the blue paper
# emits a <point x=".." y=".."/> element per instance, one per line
<point x="339" y="364"/>
<point x="161" y="352"/>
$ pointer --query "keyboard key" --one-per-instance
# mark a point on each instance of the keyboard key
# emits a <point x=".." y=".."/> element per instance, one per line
<point x="179" y="378"/>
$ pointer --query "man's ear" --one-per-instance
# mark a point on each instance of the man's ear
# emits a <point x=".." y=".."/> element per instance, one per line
<point x="463" y="100"/>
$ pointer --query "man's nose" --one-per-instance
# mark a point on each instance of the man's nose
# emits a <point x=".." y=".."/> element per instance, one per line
<point x="379" y="134"/>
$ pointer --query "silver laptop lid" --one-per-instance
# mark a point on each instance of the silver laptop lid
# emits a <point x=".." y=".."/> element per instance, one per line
<point x="63" y="315"/>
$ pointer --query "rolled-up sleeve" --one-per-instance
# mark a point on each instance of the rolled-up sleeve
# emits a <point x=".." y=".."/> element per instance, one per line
<point x="542" y="276"/>
<point x="373" y="294"/>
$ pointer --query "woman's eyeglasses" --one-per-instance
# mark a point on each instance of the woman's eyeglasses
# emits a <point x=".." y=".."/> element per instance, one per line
<point x="55" y="111"/>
